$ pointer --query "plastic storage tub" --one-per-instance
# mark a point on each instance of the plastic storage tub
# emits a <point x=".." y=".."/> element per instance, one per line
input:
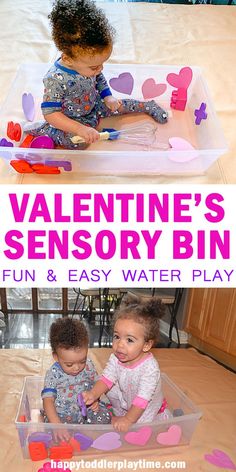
<point x="204" y="142"/>
<point x="96" y="438"/>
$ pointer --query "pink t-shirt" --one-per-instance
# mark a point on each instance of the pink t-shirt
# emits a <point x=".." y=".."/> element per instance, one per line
<point x="138" y="384"/>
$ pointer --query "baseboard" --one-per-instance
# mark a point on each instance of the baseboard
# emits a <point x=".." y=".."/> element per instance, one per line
<point x="164" y="329"/>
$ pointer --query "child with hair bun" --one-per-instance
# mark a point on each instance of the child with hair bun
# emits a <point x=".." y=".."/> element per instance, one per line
<point x="131" y="378"/>
<point x="76" y="93"/>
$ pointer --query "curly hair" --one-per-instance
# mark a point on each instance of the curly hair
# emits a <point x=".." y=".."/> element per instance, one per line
<point x="146" y="312"/>
<point x="68" y="333"/>
<point x="80" y="26"/>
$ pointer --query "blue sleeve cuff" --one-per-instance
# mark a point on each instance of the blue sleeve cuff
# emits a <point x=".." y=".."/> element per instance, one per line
<point x="48" y="392"/>
<point x="50" y="104"/>
<point x="105" y="93"/>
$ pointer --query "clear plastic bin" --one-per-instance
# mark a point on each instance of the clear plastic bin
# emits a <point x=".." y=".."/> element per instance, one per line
<point x="172" y="432"/>
<point x="116" y="157"/>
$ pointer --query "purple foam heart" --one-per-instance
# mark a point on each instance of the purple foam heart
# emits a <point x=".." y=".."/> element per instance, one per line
<point x="85" y="441"/>
<point x="107" y="442"/>
<point x="124" y="83"/>
<point x="46" y="438"/>
<point x="28" y="106"/>
<point x="5" y="143"/>
<point x="220" y="459"/>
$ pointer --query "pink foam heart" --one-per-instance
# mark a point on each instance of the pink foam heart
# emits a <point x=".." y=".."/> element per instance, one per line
<point x="107" y="442"/>
<point x="124" y="83"/>
<point x="220" y="459"/>
<point x="150" y="89"/>
<point x="170" y="437"/>
<point x="181" y="144"/>
<point x="182" y="79"/>
<point x="140" y="437"/>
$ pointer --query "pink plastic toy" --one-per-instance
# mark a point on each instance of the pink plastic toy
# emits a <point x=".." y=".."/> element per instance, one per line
<point x="47" y="467"/>
<point x="179" y="99"/>
<point x="43" y="142"/>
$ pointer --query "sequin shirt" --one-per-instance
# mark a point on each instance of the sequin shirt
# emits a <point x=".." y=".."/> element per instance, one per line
<point x="69" y="92"/>
<point x="65" y="388"/>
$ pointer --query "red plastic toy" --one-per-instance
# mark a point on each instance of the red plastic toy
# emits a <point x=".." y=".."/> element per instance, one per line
<point x="14" y="131"/>
<point x="23" y="167"/>
<point x="61" y="452"/>
<point x="37" y="451"/>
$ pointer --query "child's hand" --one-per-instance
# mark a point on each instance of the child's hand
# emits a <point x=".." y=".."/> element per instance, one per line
<point x="61" y="435"/>
<point x="89" y="398"/>
<point x="121" y="423"/>
<point x="90" y="135"/>
<point x="112" y="103"/>
<point x="95" y="407"/>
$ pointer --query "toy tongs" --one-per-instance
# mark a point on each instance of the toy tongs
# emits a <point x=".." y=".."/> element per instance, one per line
<point x="82" y="406"/>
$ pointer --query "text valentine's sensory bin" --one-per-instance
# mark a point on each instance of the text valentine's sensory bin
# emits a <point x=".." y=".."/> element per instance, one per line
<point x="188" y="144"/>
<point x="37" y="438"/>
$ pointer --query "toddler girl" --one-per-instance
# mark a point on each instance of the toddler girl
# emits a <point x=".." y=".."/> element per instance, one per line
<point x="131" y="379"/>
<point x="71" y="374"/>
<point x="76" y="94"/>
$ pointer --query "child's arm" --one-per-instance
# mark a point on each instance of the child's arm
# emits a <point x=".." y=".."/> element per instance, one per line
<point x="111" y="102"/>
<point x="90" y="396"/>
<point x="52" y="416"/>
<point x="122" y="423"/>
<point x="60" y="121"/>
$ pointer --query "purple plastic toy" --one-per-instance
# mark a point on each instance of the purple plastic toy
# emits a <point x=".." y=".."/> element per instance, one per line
<point x="200" y="113"/>
<point x="82" y="406"/>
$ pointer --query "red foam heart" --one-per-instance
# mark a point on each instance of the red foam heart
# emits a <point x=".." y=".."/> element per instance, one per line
<point x="151" y="89"/>
<point x="182" y="79"/>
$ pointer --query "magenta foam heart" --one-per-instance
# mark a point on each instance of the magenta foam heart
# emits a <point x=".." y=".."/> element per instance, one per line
<point x="151" y="89"/>
<point x="140" y="437"/>
<point x="182" y="79"/>
<point x="171" y="437"/>
<point x="28" y="106"/>
<point x="220" y="459"/>
<point x="124" y="83"/>
<point x="107" y="442"/>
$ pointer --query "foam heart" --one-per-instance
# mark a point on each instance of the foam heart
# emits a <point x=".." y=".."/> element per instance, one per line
<point x="220" y="459"/>
<point x="170" y="437"/>
<point x="140" y="437"/>
<point x="182" y="79"/>
<point x="150" y="89"/>
<point x="181" y="144"/>
<point x="28" y="106"/>
<point x="107" y="442"/>
<point x="124" y="83"/>
<point x="85" y="441"/>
